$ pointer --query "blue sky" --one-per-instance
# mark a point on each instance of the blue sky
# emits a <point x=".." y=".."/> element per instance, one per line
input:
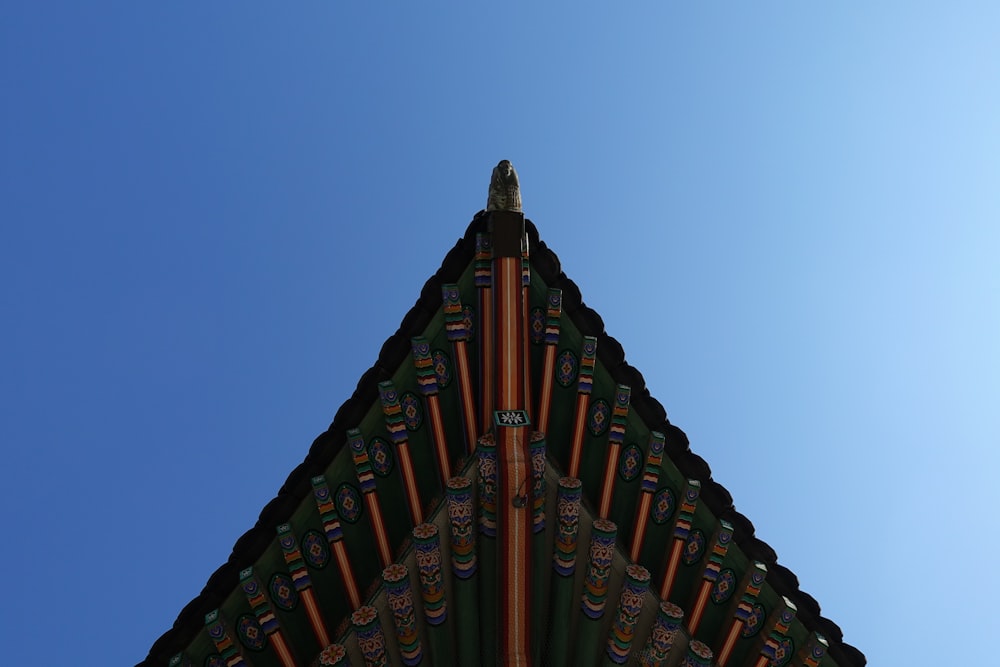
<point x="214" y="214"/>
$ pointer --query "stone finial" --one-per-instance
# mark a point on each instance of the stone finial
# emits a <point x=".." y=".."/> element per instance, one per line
<point x="505" y="191"/>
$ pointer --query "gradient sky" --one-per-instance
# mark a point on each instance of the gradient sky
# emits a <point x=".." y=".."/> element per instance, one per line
<point x="214" y="213"/>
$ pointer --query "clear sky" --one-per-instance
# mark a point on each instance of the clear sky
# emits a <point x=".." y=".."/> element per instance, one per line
<point x="214" y="213"/>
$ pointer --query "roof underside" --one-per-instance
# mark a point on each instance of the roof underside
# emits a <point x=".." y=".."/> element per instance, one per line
<point x="296" y="505"/>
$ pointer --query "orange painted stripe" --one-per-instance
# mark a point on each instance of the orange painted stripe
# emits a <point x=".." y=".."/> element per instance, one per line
<point x="545" y="400"/>
<point x="515" y="520"/>
<point x="440" y="445"/>
<point x="378" y="523"/>
<point x="699" y="607"/>
<point x="608" y="488"/>
<point x="641" y="519"/>
<point x="315" y="618"/>
<point x="526" y="345"/>
<point x="465" y="389"/>
<point x="668" y="576"/>
<point x="410" y="483"/>
<point x="486" y="355"/>
<point x="762" y="661"/>
<point x="281" y="648"/>
<point x="347" y="574"/>
<point x="727" y="647"/>
<point x="577" y="450"/>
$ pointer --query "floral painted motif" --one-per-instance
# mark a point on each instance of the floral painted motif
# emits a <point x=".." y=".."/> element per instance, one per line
<point x="442" y="368"/>
<point x="600" y="417"/>
<point x="315" y="549"/>
<point x="333" y="655"/>
<point x="413" y="411"/>
<point x="349" y="503"/>
<point x="783" y="652"/>
<point x="250" y="633"/>
<point x="724" y="586"/>
<point x="663" y="506"/>
<point x="754" y="621"/>
<point x="694" y="547"/>
<point x="630" y="462"/>
<point x="536" y="325"/>
<point x="380" y="457"/>
<point x="463" y="537"/>
<point x="283" y="592"/>
<point x="469" y="321"/>
<point x="566" y="367"/>
<point x="568" y="517"/>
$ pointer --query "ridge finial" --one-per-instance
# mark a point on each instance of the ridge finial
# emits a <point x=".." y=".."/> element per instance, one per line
<point x="505" y="191"/>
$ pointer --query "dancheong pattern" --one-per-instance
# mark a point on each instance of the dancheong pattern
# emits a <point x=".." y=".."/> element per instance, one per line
<point x="566" y="366"/>
<point x="413" y="411"/>
<point x="250" y="633"/>
<point x="536" y="325"/>
<point x="442" y="368"/>
<point x="283" y="593"/>
<point x="755" y="621"/>
<point x="783" y="653"/>
<point x="663" y="506"/>
<point x="724" y="586"/>
<point x="315" y="549"/>
<point x="349" y="503"/>
<point x="630" y="462"/>
<point x="380" y="457"/>
<point x="215" y="660"/>
<point x="600" y="417"/>
<point x="469" y="322"/>
<point x="694" y="547"/>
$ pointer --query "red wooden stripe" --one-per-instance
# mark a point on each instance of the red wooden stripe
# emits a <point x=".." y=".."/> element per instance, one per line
<point x="281" y="648"/>
<point x="694" y="619"/>
<point x="466" y="391"/>
<point x="545" y="399"/>
<point x="378" y="524"/>
<point x="437" y="430"/>
<point x="668" y="576"/>
<point x="641" y="519"/>
<point x="315" y="617"/>
<point x="487" y="381"/>
<point x="410" y="483"/>
<point x="578" y="425"/>
<point x="346" y="573"/>
<point x="727" y="647"/>
<point x="608" y="488"/>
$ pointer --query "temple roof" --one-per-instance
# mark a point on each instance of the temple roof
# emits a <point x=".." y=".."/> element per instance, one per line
<point x="259" y="554"/>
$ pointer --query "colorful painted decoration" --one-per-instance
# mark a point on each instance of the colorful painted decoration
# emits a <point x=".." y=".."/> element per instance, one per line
<point x="600" y="417"/>
<point x="380" y="457"/>
<point x="629" y="607"/>
<point x="568" y="497"/>
<point x="663" y="506"/>
<point x="334" y="655"/>
<point x="630" y="462"/>
<point x="413" y="411"/>
<point x="349" y="505"/>
<point x="698" y="654"/>
<point x="427" y="549"/>
<point x="250" y="633"/>
<point x="215" y="660"/>
<point x="283" y="592"/>
<point x="315" y="549"/>
<point x="442" y="368"/>
<point x="694" y="547"/>
<point x="400" y="598"/>
<point x="426" y="377"/>
<point x="566" y="368"/>
<point x="371" y="640"/>
<point x="755" y="621"/>
<point x="487" y="486"/>
<point x="668" y="620"/>
<point x="536" y="450"/>
<point x="783" y="653"/>
<point x="224" y="644"/>
<point x="469" y="322"/>
<point x="536" y="326"/>
<point x="553" y="311"/>
<point x="463" y="537"/>
<point x="602" y="551"/>
<point x="453" y="321"/>
<point x="724" y="587"/>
